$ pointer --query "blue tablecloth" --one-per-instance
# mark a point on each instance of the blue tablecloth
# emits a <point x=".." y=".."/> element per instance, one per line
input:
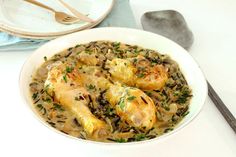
<point x="120" y="16"/>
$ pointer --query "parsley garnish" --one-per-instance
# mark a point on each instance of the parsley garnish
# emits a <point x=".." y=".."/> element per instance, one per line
<point x="185" y="114"/>
<point x="140" y="75"/>
<point x="122" y="104"/>
<point x="140" y="137"/>
<point x="76" y="98"/>
<point x="183" y="97"/>
<point x="109" y="111"/>
<point x="136" y="51"/>
<point x="35" y="95"/>
<point x="148" y="93"/>
<point x="58" y="107"/>
<point x="69" y="69"/>
<point x="88" y="51"/>
<point x="91" y="87"/>
<point x="65" y="78"/>
<point x="131" y="98"/>
<point x="77" y="46"/>
<point x="69" y="49"/>
<point x="49" y="100"/>
<point x="116" y="45"/>
<point x="40" y="106"/>
<point x="168" y="130"/>
<point x="120" y="140"/>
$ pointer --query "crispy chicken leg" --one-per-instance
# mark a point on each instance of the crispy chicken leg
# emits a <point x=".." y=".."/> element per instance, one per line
<point x="138" y="72"/>
<point x="67" y="89"/>
<point x="133" y="106"/>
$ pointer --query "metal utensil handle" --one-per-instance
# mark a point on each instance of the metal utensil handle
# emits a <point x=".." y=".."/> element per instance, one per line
<point x="222" y="107"/>
<point x="40" y="5"/>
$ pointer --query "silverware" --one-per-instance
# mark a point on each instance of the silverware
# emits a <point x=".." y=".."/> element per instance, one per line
<point x="60" y="17"/>
<point x="76" y="13"/>
<point x="222" y="107"/>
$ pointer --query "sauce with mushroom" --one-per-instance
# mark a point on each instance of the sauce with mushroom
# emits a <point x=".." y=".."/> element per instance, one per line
<point x="110" y="92"/>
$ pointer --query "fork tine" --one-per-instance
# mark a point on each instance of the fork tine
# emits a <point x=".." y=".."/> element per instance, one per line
<point x="70" y="19"/>
<point x="76" y="12"/>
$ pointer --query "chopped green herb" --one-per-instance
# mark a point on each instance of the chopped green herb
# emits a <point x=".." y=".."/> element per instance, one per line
<point x="131" y="98"/>
<point x="40" y="106"/>
<point x="120" y="140"/>
<point x="76" y="98"/>
<point x="183" y="97"/>
<point x="69" y="49"/>
<point x="148" y="93"/>
<point x="88" y="51"/>
<point x="176" y="93"/>
<point x="35" y="95"/>
<point x="58" y="107"/>
<point x="77" y="46"/>
<point x="136" y="50"/>
<point x="140" y="75"/>
<point x="69" y="69"/>
<point x="91" y="87"/>
<point x="140" y="137"/>
<point x="185" y="114"/>
<point x="168" y="130"/>
<point x="110" y="111"/>
<point x="116" y="45"/>
<point x="167" y="108"/>
<point x="176" y="90"/>
<point x="122" y="104"/>
<point x="181" y="100"/>
<point x="49" y="100"/>
<point x="65" y="78"/>
<point x="46" y="87"/>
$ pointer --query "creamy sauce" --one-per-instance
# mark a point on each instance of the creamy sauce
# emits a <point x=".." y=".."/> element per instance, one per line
<point x="171" y="101"/>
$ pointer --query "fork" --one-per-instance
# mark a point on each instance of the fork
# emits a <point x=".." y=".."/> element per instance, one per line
<point x="60" y="17"/>
<point x="76" y="13"/>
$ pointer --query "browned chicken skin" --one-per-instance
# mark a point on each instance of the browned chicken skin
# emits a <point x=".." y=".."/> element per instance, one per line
<point x="68" y="86"/>
<point x="133" y="106"/>
<point x="67" y="89"/>
<point x="138" y="72"/>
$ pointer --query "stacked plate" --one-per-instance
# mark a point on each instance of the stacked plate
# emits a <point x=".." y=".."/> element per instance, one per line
<point x="23" y="19"/>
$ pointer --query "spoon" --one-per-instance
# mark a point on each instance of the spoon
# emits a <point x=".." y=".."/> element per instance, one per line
<point x="60" y="17"/>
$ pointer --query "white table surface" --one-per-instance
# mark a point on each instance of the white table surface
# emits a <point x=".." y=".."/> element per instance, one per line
<point x="213" y="24"/>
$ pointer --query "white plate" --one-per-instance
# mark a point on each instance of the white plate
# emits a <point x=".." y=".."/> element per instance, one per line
<point x="188" y="66"/>
<point x="24" y="19"/>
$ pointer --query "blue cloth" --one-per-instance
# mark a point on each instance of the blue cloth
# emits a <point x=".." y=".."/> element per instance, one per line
<point x="120" y="16"/>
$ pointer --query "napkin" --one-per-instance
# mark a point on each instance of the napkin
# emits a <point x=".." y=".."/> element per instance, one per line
<point x="120" y="16"/>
